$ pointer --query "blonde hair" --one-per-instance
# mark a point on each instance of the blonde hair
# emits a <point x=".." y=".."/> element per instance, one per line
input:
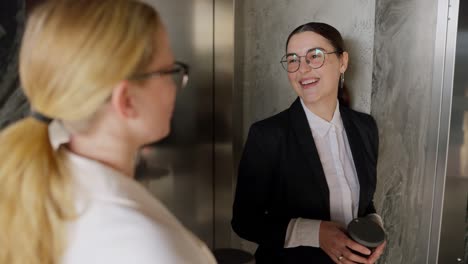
<point x="73" y="53"/>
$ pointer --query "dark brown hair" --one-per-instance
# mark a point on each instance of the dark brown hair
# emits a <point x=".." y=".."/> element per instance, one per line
<point x="335" y="39"/>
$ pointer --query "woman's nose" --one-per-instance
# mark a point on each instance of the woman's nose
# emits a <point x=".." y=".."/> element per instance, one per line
<point x="304" y="65"/>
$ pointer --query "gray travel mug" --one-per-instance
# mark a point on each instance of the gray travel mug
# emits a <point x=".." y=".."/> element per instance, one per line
<point x="367" y="233"/>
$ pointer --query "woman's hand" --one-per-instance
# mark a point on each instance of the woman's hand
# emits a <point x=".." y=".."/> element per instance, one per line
<point x="377" y="253"/>
<point x="334" y="241"/>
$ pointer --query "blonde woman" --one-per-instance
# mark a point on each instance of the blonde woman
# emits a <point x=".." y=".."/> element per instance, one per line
<point x="98" y="75"/>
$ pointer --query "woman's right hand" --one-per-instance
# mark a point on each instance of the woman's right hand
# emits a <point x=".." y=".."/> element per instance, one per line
<point x="334" y="241"/>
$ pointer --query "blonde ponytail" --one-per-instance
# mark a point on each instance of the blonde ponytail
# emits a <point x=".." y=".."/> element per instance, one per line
<point x="34" y="199"/>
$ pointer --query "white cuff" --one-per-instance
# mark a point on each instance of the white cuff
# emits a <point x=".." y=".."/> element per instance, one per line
<point x="302" y="232"/>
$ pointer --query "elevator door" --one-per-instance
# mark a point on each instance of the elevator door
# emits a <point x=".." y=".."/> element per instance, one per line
<point x="191" y="170"/>
<point x="179" y="169"/>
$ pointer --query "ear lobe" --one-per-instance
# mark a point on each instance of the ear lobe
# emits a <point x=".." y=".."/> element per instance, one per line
<point x="344" y="62"/>
<point x="122" y="101"/>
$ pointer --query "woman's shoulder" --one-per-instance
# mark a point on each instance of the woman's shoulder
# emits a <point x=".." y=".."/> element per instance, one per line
<point x="357" y="117"/>
<point x="277" y="123"/>
<point x="109" y="233"/>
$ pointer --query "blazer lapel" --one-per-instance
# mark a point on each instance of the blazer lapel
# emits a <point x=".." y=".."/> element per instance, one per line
<point x="356" y="144"/>
<point x="307" y="145"/>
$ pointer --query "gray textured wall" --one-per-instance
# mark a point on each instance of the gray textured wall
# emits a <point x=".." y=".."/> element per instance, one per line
<point x="262" y="27"/>
<point x="401" y="99"/>
<point x="13" y="104"/>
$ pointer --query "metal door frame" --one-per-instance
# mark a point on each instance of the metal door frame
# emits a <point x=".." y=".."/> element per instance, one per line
<point x="223" y="167"/>
<point x="439" y="126"/>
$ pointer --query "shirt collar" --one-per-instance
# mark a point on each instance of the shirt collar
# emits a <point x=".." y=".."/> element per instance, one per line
<point x="319" y="126"/>
<point x="93" y="178"/>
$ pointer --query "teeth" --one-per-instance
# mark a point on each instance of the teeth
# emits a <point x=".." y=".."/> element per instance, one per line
<point x="309" y="82"/>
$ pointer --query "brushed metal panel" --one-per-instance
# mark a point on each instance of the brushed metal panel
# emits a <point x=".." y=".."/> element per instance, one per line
<point x="435" y="178"/>
<point x="223" y="148"/>
<point x="442" y="88"/>
<point x="180" y="168"/>
<point x="454" y="218"/>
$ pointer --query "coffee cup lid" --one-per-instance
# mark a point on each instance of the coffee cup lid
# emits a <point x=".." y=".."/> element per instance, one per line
<point x="366" y="232"/>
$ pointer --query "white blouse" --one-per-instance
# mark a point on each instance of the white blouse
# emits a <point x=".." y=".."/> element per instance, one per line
<point x="120" y="222"/>
<point x="337" y="161"/>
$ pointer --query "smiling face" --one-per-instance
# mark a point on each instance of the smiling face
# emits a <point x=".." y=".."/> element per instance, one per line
<point x="316" y="86"/>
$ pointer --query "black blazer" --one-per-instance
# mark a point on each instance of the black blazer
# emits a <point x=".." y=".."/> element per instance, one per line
<point x="281" y="177"/>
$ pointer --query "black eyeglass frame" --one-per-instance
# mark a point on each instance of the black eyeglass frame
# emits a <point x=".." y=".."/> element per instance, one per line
<point x="178" y="67"/>
<point x="283" y="59"/>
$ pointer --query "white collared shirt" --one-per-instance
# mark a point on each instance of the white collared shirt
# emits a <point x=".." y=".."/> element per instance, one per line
<point x="340" y="172"/>
<point x="119" y="221"/>
<point x="337" y="161"/>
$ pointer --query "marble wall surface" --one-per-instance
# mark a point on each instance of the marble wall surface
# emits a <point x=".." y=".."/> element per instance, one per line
<point x="13" y="104"/>
<point x="401" y="98"/>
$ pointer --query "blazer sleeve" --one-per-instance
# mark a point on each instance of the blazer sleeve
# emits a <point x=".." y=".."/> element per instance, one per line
<point x="374" y="141"/>
<point x="254" y="218"/>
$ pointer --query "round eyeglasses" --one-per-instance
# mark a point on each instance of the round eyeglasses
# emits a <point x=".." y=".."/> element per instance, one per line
<point x="179" y="72"/>
<point x="315" y="58"/>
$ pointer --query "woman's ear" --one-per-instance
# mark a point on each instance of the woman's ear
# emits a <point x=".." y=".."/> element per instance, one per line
<point x="123" y="101"/>
<point x="344" y="61"/>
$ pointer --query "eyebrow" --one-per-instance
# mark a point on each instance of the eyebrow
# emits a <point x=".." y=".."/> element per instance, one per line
<point x="293" y="53"/>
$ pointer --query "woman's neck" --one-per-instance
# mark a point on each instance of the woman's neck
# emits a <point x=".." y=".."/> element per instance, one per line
<point x="116" y="154"/>
<point x="323" y="109"/>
